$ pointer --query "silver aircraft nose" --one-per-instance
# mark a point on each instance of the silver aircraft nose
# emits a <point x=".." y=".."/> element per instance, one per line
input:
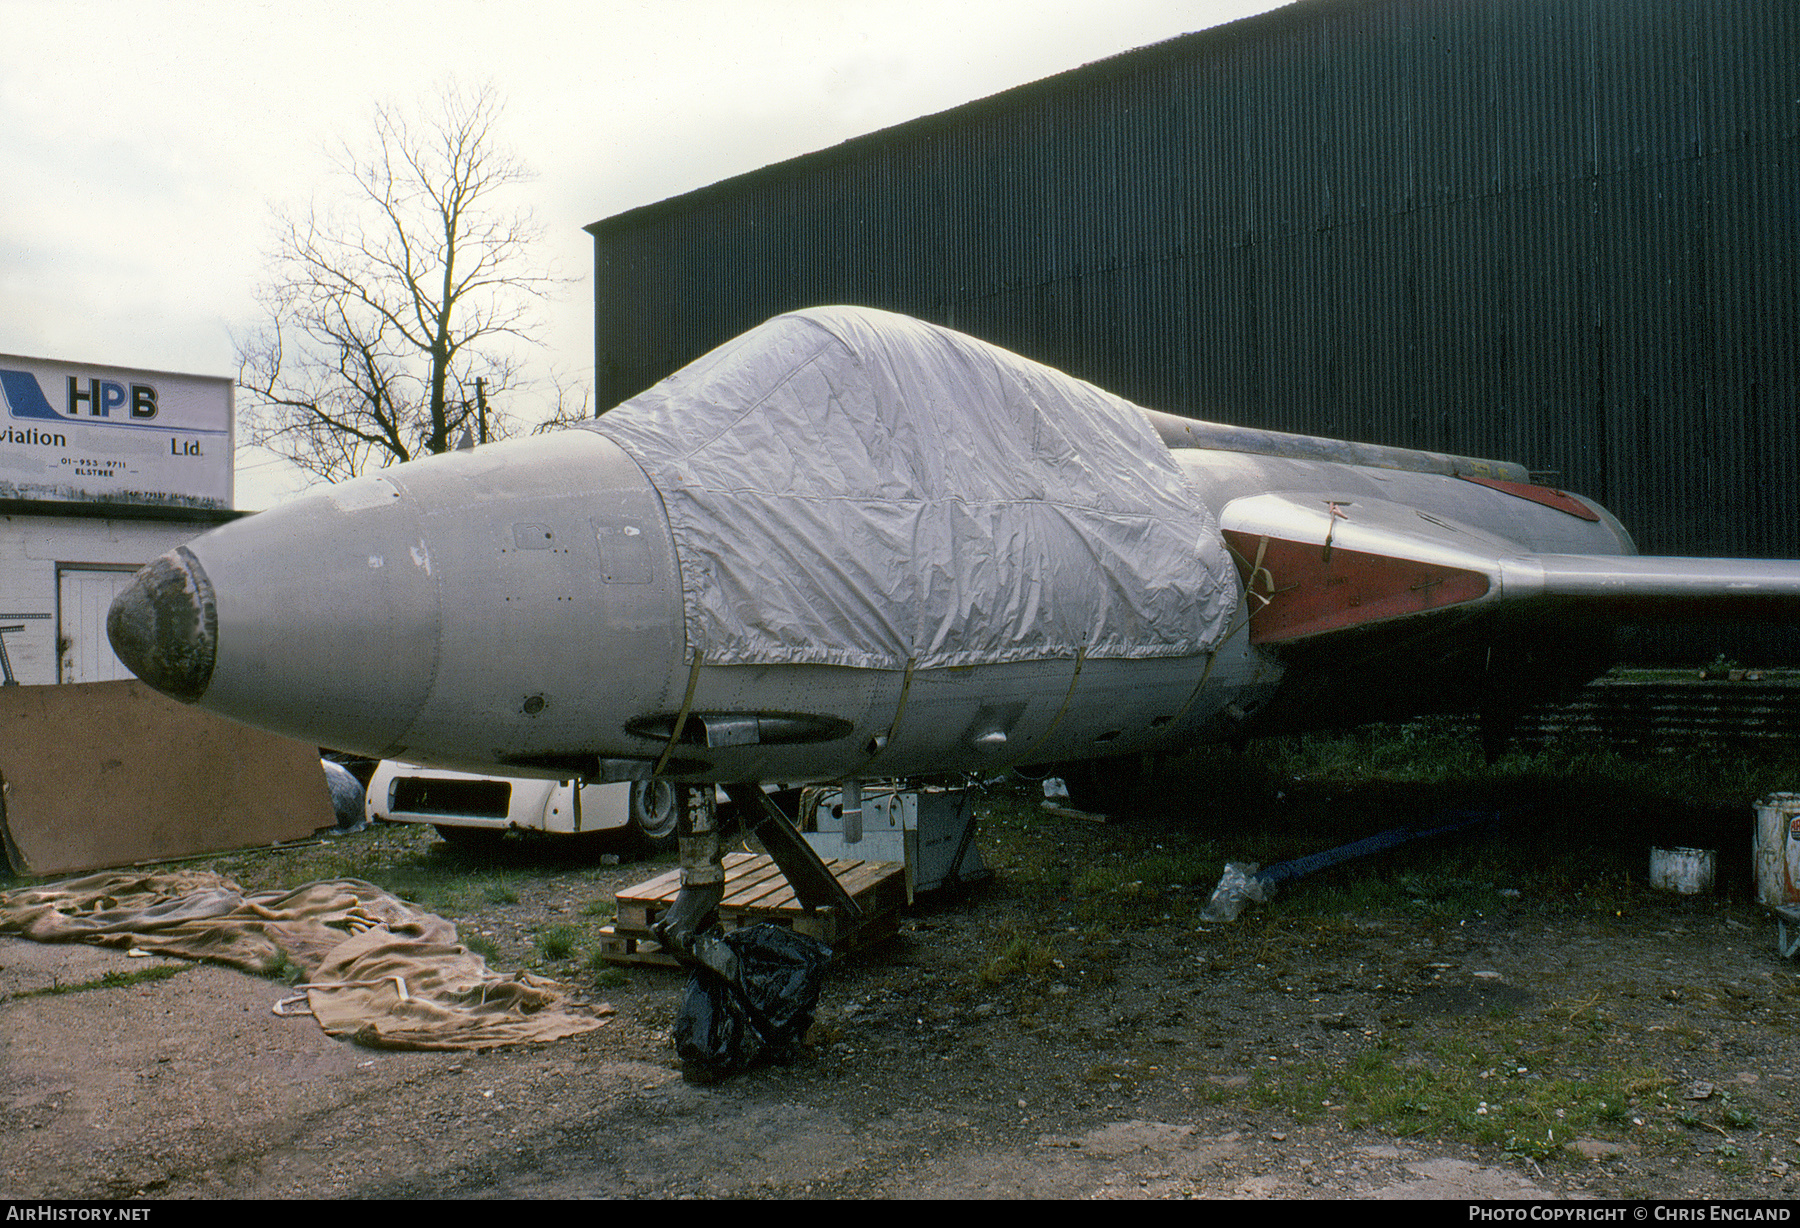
<point x="517" y="604"/>
<point x="317" y="616"/>
<point x="165" y="627"/>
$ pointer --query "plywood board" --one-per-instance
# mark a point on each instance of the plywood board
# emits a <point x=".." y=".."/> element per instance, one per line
<point x="105" y="774"/>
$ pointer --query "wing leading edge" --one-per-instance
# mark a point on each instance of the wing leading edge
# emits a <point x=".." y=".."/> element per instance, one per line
<point x="1314" y="567"/>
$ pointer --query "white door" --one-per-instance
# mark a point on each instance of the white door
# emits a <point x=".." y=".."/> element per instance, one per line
<point x="84" y="595"/>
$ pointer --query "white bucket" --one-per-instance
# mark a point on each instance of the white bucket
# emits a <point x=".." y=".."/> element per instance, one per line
<point x="1776" y="850"/>
<point x="1687" y="871"/>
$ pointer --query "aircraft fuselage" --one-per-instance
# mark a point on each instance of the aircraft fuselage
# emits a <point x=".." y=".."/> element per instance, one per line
<point x="518" y="609"/>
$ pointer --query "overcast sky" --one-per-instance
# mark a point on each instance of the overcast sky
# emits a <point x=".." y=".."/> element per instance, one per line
<point x="143" y="145"/>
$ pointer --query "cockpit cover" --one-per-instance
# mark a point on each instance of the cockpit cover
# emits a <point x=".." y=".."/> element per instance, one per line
<point x="853" y="487"/>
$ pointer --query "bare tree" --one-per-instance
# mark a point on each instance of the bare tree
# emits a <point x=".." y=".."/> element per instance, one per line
<point x="383" y="310"/>
<point x="568" y="405"/>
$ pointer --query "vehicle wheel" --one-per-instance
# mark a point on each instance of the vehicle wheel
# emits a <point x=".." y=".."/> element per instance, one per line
<point x="654" y="815"/>
<point x="470" y="839"/>
<point x="346" y="796"/>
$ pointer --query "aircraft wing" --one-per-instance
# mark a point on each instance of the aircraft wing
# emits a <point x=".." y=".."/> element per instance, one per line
<point x="1316" y="568"/>
<point x="1641" y="588"/>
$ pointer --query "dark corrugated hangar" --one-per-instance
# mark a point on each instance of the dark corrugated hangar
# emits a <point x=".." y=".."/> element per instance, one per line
<point x="1561" y="232"/>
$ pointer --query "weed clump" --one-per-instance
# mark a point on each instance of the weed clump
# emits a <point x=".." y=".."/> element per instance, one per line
<point x="557" y="942"/>
<point x="1021" y="956"/>
<point x="499" y="893"/>
<point x="607" y="976"/>
<point x="280" y="968"/>
<point x="109" y="980"/>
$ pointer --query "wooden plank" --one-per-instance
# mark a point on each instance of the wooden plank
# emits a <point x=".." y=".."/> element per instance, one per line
<point x="616" y="948"/>
<point x="756" y="892"/>
<point x="864" y="876"/>
<point x="758" y="884"/>
<point x="664" y="886"/>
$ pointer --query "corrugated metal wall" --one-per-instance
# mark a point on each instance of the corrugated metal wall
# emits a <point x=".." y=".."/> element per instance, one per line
<point x="1561" y="232"/>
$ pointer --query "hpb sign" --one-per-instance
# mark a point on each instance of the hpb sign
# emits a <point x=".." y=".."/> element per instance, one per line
<point x="91" y="434"/>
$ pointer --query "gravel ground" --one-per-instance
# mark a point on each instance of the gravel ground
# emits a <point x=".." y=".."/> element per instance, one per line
<point x="1056" y="1032"/>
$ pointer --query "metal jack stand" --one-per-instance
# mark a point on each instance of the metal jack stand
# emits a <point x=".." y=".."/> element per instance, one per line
<point x="1787" y="929"/>
<point x="813" y="884"/>
<point x="690" y="930"/>
<point x="6" y="674"/>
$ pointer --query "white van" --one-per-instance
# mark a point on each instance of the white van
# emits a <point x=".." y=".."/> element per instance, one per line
<point x="474" y="810"/>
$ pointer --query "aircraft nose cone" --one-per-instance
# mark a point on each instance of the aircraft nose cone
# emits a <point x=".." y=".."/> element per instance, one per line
<point x="165" y="627"/>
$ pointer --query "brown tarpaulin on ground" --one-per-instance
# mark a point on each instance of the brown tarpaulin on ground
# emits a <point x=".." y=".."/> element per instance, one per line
<point x="376" y="969"/>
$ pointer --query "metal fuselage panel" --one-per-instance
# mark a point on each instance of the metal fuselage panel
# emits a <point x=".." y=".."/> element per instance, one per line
<point x="518" y="607"/>
<point x="1049" y="714"/>
<point x="456" y="605"/>
<point x="1222" y="478"/>
<point x="1388" y="593"/>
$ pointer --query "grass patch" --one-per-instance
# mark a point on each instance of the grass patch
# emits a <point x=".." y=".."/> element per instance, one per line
<point x="110" y="980"/>
<point x="499" y="892"/>
<point x="408" y="861"/>
<point x="1136" y="873"/>
<point x="1428" y="751"/>
<point x="1517" y="1073"/>
<point x="607" y="976"/>
<point x="1297" y="795"/>
<point x="1021" y="956"/>
<point x="1016" y="844"/>
<point x="1445" y="750"/>
<point x="1294" y="796"/>
<point x="1474" y="1089"/>
<point x="557" y="942"/>
<point x="441" y="889"/>
<point x="1140" y="886"/>
<point x="283" y="969"/>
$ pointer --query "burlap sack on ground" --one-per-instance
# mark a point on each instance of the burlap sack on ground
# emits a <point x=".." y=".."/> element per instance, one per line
<point x="376" y="969"/>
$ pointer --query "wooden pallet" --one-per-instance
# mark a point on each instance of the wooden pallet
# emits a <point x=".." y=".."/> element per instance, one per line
<point x="756" y="891"/>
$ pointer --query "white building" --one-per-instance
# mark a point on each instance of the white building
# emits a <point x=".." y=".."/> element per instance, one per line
<point x="101" y="470"/>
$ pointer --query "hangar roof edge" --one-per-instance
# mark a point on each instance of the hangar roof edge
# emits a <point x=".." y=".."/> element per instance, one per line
<point x="1120" y="63"/>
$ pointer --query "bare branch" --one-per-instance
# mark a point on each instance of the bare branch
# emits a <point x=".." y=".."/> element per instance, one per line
<point x="384" y="309"/>
<point x="569" y="407"/>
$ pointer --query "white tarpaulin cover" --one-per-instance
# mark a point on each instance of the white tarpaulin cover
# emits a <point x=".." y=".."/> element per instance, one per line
<point x="853" y="487"/>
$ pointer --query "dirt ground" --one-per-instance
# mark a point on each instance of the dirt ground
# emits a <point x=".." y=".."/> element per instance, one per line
<point x="1049" y="1034"/>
